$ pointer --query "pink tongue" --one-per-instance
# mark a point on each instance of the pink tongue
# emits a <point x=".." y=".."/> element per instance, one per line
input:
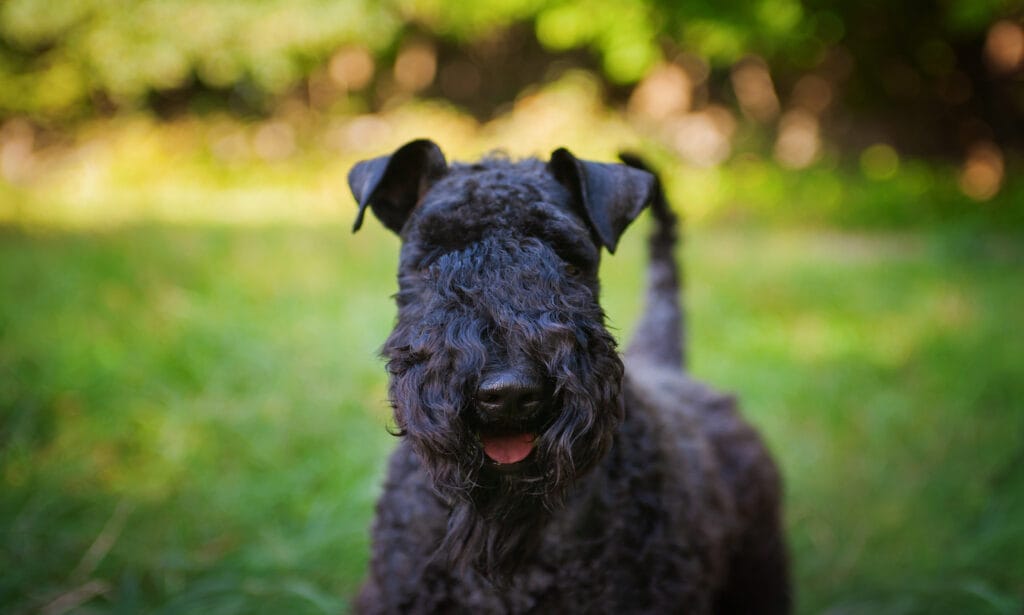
<point x="508" y="449"/>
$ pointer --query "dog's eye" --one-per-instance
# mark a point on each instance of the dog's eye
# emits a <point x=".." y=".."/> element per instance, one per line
<point x="572" y="270"/>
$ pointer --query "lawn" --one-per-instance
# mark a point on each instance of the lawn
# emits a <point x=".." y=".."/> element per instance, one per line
<point x="193" y="419"/>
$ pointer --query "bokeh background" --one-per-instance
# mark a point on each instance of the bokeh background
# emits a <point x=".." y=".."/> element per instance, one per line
<point x="192" y="417"/>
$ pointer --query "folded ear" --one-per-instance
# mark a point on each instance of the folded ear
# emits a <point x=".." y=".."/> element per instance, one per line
<point x="610" y="195"/>
<point x="393" y="185"/>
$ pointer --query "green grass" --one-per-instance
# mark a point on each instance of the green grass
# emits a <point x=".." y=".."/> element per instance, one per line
<point x="192" y="418"/>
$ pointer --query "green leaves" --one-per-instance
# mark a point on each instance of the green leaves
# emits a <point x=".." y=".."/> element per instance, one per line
<point x="60" y="64"/>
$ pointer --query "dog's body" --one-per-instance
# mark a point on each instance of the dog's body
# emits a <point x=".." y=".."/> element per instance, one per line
<point x="537" y="472"/>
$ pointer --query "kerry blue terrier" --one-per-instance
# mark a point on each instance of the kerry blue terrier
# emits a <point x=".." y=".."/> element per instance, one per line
<point x="538" y="471"/>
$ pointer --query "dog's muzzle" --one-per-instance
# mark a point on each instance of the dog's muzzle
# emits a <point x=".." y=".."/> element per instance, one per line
<point x="509" y="407"/>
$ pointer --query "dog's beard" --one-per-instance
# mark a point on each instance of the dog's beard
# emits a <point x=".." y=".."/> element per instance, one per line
<point x="495" y="526"/>
<point x="498" y="527"/>
<point x="498" y="512"/>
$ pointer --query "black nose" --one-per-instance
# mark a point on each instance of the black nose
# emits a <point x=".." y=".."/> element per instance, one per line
<point x="510" y="395"/>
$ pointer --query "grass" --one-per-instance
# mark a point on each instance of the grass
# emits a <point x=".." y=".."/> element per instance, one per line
<point x="192" y="417"/>
<point x="202" y="379"/>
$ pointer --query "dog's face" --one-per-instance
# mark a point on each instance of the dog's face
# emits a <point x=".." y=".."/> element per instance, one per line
<point x="503" y="376"/>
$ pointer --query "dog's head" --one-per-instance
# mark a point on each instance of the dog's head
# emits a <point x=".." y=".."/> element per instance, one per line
<point x="504" y="378"/>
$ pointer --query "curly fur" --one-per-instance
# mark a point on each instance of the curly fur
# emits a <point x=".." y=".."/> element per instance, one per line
<point x="645" y="491"/>
<point x="445" y="337"/>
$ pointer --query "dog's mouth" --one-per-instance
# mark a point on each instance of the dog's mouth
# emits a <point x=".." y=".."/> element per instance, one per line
<point x="508" y="443"/>
<point x="506" y="448"/>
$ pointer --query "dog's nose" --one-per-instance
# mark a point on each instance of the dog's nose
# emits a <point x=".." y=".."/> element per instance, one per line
<point x="510" y="395"/>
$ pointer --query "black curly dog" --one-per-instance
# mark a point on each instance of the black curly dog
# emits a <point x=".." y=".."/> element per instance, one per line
<point x="537" y="470"/>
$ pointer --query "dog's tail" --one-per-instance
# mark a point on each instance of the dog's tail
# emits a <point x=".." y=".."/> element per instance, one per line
<point x="660" y="336"/>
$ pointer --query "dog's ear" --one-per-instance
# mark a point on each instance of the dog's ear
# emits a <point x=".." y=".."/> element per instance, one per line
<point x="393" y="185"/>
<point x="610" y="195"/>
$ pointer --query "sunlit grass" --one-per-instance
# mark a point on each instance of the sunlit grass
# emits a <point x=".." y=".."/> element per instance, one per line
<point x="292" y="168"/>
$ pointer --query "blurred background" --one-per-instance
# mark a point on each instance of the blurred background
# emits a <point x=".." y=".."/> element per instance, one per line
<point x="192" y="416"/>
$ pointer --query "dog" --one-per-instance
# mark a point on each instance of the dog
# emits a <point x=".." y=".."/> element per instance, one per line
<point x="538" y="470"/>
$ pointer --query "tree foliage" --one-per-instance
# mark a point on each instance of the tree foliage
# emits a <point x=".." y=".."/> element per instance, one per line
<point x="67" y="61"/>
<point x="913" y="75"/>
